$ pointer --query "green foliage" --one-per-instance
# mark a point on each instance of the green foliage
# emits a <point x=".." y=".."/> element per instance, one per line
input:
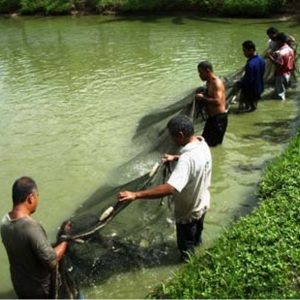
<point x="7" y="6"/>
<point x="231" y="7"/>
<point x="161" y="5"/>
<point x="90" y="5"/>
<point x="45" y="6"/>
<point x="259" y="257"/>
<point x="251" y="7"/>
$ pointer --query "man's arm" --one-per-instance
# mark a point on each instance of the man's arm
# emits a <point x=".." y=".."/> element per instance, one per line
<point x="60" y="250"/>
<point x="278" y="62"/>
<point x="248" y="78"/>
<point x="154" y="193"/>
<point x="169" y="157"/>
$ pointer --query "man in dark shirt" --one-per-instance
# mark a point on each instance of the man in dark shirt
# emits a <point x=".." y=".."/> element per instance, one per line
<point x="30" y="254"/>
<point x="252" y="83"/>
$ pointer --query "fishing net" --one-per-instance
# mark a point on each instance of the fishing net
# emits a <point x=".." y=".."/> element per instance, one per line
<point x="106" y="241"/>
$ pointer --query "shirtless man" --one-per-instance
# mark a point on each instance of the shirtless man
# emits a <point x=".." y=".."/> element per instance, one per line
<point x="214" y="100"/>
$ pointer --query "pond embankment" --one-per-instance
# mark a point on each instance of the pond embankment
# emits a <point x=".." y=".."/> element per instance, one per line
<point x="251" y="8"/>
<point x="259" y="257"/>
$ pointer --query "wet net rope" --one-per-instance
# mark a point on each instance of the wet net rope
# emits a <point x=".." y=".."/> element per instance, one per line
<point x="105" y="241"/>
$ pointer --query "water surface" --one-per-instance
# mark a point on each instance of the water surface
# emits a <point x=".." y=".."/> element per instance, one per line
<point x="73" y="89"/>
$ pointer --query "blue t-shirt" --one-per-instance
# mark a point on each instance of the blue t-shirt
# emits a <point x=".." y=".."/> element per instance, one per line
<point x="253" y="80"/>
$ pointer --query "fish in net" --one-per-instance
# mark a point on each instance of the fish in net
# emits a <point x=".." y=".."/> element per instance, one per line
<point x="105" y="241"/>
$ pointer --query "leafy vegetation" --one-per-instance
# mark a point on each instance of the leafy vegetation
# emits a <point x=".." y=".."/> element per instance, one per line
<point x="229" y="7"/>
<point x="7" y="6"/>
<point x="251" y="7"/>
<point x="259" y="257"/>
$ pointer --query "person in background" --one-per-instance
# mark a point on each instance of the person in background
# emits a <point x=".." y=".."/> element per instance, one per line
<point x="30" y="254"/>
<point x="252" y="83"/>
<point x="284" y="63"/>
<point x="189" y="184"/>
<point x="272" y="43"/>
<point x="214" y="100"/>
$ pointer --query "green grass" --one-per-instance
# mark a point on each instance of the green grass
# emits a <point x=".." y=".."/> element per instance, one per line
<point x="259" y="257"/>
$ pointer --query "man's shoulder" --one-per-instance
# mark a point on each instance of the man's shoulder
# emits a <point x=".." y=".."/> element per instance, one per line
<point x="25" y="224"/>
<point x="194" y="148"/>
<point x="217" y="82"/>
<point x="257" y="59"/>
<point x="285" y="49"/>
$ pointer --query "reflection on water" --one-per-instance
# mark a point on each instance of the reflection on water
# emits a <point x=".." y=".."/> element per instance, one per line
<point x="72" y="90"/>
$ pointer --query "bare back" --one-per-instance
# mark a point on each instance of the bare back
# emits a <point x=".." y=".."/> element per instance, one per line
<point x="216" y="94"/>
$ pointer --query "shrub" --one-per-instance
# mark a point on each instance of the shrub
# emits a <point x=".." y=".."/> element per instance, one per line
<point x="251" y="7"/>
<point x="45" y="6"/>
<point x="9" y="6"/>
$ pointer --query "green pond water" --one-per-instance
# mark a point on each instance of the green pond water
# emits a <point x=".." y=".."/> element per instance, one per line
<point x="73" y="89"/>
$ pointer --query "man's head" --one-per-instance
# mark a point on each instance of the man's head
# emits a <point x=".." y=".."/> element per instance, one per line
<point x="181" y="129"/>
<point x="272" y="33"/>
<point x="281" y="39"/>
<point x="205" y="69"/>
<point x="25" y="191"/>
<point x="249" y="49"/>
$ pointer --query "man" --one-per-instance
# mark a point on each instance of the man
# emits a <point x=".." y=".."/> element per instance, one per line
<point x="189" y="184"/>
<point x="214" y="100"/>
<point x="30" y="254"/>
<point x="272" y="32"/>
<point x="284" y="63"/>
<point x="252" y="83"/>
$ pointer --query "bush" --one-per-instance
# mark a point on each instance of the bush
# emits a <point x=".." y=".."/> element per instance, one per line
<point x="90" y="5"/>
<point x="159" y="5"/>
<point x="251" y="7"/>
<point x="9" y="6"/>
<point x="45" y="6"/>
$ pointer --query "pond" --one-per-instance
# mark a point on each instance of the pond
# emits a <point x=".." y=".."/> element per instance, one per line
<point x="72" y="90"/>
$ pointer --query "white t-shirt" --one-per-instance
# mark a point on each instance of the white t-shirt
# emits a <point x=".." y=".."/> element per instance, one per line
<point x="191" y="180"/>
<point x="272" y="45"/>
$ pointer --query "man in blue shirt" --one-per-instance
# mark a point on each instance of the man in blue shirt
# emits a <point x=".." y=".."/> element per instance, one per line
<point x="252" y="82"/>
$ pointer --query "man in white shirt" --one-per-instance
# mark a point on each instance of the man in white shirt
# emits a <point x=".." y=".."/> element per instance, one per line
<point x="189" y="184"/>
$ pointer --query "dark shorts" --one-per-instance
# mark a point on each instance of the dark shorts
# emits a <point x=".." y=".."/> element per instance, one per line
<point x="214" y="129"/>
<point x="189" y="236"/>
<point x="248" y="101"/>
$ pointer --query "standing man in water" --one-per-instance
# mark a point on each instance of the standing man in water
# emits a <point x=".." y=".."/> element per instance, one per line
<point x="252" y="83"/>
<point x="272" y="33"/>
<point x="189" y="184"/>
<point x="214" y="100"/>
<point x="284" y="63"/>
<point x="30" y="254"/>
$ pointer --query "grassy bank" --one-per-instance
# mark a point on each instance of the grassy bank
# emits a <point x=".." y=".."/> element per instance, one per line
<point x="219" y="7"/>
<point x="259" y="257"/>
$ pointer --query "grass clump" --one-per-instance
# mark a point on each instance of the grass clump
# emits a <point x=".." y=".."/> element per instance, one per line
<point x="259" y="257"/>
